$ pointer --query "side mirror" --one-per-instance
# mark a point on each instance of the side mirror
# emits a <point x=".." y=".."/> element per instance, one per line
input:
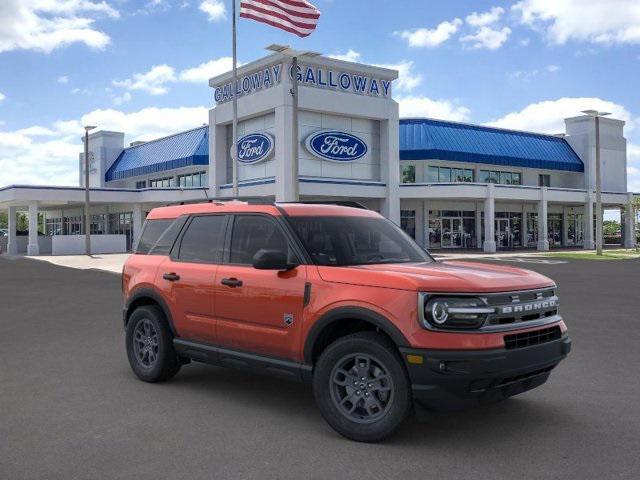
<point x="272" y="260"/>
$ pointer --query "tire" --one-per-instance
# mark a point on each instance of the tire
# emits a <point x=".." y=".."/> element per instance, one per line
<point x="150" y="345"/>
<point x="369" y="410"/>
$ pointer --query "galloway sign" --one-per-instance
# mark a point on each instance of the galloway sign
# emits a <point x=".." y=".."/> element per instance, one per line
<point x="336" y="146"/>
<point x="328" y="78"/>
<point x="248" y="84"/>
<point x="255" y="148"/>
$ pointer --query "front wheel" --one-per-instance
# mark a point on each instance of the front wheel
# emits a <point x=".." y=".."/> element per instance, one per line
<point x="361" y="387"/>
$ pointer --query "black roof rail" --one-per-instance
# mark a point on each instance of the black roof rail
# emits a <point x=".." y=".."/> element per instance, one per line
<point x="341" y="203"/>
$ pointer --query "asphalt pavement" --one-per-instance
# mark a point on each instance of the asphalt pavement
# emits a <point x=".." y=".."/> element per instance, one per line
<point x="70" y="408"/>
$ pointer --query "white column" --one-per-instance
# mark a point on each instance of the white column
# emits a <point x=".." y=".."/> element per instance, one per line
<point x="565" y="227"/>
<point x="589" y="242"/>
<point x="137" y="222"/>
<point x="33" y="248"/>
<point x="478" y="226"/>
<point x="12" y="245"/>
<point x="390" y="167"/>
<point x="489" y="245"/>
<point x="543" y="240"/>
<point x="425" y="216"/>
<point x="629" y="224"/>
<point x="284" y="187"/>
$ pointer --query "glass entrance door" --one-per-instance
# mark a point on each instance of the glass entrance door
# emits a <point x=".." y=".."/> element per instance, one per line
<point x="452" y="233"/>
<point x="504" y="236"/>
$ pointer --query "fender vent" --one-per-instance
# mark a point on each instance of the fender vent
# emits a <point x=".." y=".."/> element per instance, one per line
<point x="535" y="337"/>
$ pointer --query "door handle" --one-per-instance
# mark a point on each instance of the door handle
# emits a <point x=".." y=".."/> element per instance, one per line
<point x="231" y="282"/>
<point x="172" y="277"/>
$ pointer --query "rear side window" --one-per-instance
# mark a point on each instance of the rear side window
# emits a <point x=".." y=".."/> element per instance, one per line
<point x="151" y="232"/>
<point x="252" y="233"/>
<point x="168" y="238"/>
<point x="203" y="240"/>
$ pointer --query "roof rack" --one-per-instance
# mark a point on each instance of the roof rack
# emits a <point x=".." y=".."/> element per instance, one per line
<point x="341" y="203"/>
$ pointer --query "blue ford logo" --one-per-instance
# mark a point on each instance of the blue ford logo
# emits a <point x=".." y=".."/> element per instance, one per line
<point x="336" y="146"/>
<point x="255" y="147"/>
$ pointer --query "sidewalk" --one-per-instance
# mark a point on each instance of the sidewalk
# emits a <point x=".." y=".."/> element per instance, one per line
<point x="107" y="262"/>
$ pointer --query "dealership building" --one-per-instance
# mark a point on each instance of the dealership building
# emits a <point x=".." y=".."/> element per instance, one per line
<point x="449" y="185"/>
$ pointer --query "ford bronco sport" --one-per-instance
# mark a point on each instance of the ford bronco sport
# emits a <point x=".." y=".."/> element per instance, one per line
<point x="338" y="297"/>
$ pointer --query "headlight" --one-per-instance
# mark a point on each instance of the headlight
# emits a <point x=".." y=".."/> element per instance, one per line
<point x="454" y="313"/>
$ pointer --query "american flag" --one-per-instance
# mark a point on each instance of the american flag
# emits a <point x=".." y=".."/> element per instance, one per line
<point x="295" y="16"/>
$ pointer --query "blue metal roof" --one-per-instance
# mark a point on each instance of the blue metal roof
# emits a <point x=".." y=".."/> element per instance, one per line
<point x="176" y="151"/>
<point x="426" y="139"/>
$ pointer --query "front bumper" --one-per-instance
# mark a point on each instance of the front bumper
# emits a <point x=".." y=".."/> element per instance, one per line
<point x="456" y="379"/>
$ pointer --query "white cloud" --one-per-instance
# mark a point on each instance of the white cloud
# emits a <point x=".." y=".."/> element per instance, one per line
<point x="349" y="56"/>
<point x="2" y="96"/>
<point x="525" y="42"/>
<point x="486" y="18"/>
<point x="548" y="116"/>
<point x="214" y="9"/>
<point x="203" y="72"/>
<point x="120" y="99"/>
<point x="63" y="79"/>
<point x="552" y="68"/>
<point x="154" y="81"/>
<point x="407" y="78"/>
<point x="595" y="21"/>
<point x="424" y="37"/>
<point x="48" y="155"/>
<point x="487" y="37"/>
<point x="45" y="25"/>
<point x="420" y="106"/>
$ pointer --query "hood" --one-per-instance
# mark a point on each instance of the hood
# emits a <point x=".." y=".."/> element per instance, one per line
<point x="450" y="276"/>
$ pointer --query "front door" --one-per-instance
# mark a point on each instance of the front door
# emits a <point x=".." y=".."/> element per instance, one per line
<point x="187" y="278"/>
<point x="451" y="232"/>
<point x="259" y="310"/>
<point x="504" y="237"/>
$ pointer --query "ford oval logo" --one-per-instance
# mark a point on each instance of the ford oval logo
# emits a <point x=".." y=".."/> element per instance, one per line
<point x="255" y="148"/>
<point x="336" y="146"/>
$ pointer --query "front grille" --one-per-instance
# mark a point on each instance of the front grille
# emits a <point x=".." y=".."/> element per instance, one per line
<point x="535" y="337"/>
<point x="517" y="307"/>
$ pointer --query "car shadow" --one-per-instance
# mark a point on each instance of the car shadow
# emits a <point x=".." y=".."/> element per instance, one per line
<point x="491" y="426"/>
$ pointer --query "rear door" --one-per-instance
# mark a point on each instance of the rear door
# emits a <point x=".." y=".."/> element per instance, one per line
<point x="259" y="310"/>
<point x="187" y="277"/>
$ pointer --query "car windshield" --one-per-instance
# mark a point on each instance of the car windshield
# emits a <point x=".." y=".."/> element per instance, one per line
<point x="346" y="241"/>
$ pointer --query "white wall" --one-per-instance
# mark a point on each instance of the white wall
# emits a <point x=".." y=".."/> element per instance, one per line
<point x="74" y="244"/>
<point x="105" y="147"/>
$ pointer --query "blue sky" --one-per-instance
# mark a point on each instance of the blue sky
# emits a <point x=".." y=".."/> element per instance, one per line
<point x="142" y="66"/>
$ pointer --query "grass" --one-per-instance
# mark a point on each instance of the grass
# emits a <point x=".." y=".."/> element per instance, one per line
<point x="618" y="254"/>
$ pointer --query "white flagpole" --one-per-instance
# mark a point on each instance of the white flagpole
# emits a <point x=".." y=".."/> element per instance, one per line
<point x="234" y="148"/>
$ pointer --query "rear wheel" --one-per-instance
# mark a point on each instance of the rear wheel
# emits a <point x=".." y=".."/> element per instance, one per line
<point x="150" y="345"/>
<point x="361" y="387"/>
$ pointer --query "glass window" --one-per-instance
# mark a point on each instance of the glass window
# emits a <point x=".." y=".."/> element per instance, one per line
<point x="408" y="174"/>
<point x="516" y="178"/>
<point x="343" y="241"/>
<point x="151" y="233"/>
<point x="203" y="240"/>
<point x="445" y="174"/>
<point x="505" y="178"/>
<point x="141" y="184"/>
<point x="432" y="175"/>
<point x="252" y="233"/>
<point x="544" y="180"/>
<point x="408" y="222"/>
<point x="168" y="237"/>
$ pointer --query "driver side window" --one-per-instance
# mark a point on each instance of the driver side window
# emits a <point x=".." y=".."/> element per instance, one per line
<point x="252" y="233"/>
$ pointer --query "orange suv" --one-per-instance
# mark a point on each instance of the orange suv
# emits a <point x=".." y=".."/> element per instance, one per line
<point x="338" y="297"/>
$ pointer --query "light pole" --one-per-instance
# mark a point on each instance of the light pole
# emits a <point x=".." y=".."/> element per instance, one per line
<point x="295" y="146"/>
<point x="87" y="217"/>
<point x="596" y="114"/>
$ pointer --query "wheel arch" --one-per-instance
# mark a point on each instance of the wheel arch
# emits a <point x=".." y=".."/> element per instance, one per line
<point x="322" y="329"/>
<point x="147" y="296"/>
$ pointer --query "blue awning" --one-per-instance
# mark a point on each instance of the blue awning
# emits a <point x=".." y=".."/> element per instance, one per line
<point x="427" y="139"/>
<point x="183" y="149"/>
